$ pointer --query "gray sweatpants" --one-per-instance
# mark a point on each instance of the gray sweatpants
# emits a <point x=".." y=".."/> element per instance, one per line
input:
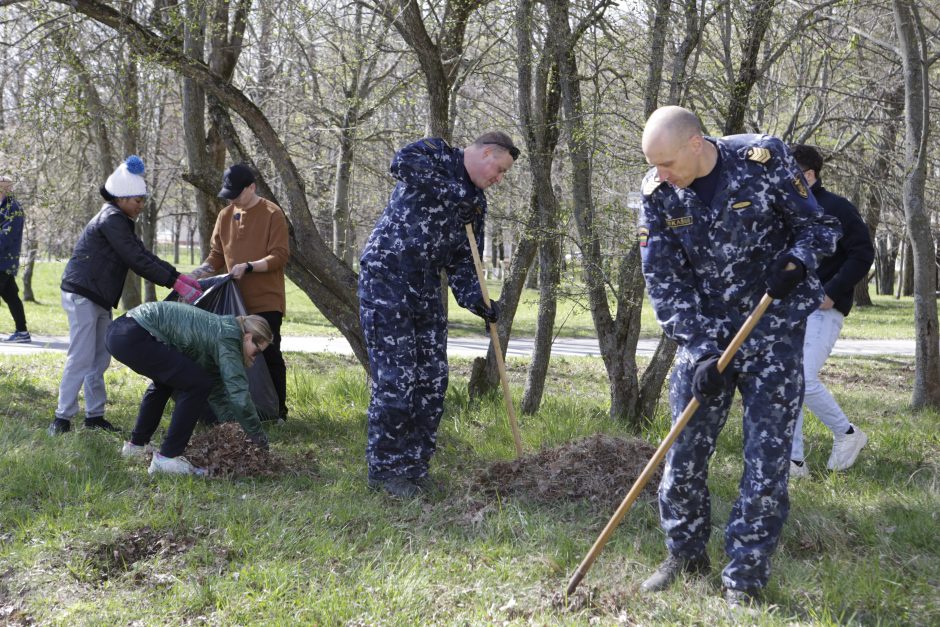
<point x="87" y="357"/>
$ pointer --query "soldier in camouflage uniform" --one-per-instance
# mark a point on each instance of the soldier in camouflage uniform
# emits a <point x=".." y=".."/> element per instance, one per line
<point x="723" y="221"/>
<point x="421" y="233"/>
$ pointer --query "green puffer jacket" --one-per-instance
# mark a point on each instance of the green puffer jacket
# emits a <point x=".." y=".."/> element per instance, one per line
<point x="215" y="343"/>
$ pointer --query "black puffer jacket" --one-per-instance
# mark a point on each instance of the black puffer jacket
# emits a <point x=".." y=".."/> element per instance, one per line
<point x="106" y="250"/>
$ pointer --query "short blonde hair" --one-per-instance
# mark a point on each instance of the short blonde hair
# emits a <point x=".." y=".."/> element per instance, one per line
<point x="257" y="327"/>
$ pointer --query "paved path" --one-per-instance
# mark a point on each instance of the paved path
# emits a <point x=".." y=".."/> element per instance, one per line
<point x="472" y="347"/>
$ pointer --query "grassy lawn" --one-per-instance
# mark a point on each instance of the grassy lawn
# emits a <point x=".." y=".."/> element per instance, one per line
<point x="888" y="319"/>
<point x="87" y="538"/>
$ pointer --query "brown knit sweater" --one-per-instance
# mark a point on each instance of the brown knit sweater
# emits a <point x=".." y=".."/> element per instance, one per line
<point x="259" y="232"/>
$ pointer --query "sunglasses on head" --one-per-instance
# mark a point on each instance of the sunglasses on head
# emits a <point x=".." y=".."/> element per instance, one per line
<point x="512" y="150"/>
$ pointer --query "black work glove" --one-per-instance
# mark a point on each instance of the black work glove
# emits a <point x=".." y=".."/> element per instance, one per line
<point x="781" y="281"/>
<point x="468" y="209"/>
<point x="260" y="440"/>
<point x="707" y="382"/>
<point x="490" y="314"/>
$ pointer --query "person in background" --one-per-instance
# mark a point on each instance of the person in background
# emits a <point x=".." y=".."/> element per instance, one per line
<point x="202" y="357"/>
<point x="11" y="242"/>
<point x="839" y="274"/>
<point x="250" y="240"/>
<point x="724" y="221"/>
<point x="421" y="233"/>
<point x="91" y="287"/>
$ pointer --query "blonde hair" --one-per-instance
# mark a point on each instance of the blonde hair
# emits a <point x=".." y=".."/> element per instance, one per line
<point x="257" y="327"/>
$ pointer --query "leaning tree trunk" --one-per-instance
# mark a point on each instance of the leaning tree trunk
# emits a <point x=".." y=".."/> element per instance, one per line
<point x="912" y="42"/>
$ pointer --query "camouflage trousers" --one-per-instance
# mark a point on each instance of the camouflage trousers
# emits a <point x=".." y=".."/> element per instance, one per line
<point x="771" y="387"/>
<point x="408" y="361"/>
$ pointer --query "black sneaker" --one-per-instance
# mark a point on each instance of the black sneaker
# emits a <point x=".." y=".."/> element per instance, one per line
<point x="670" y="569"/>
<point x="59" y="426"/>
<point x="399" y="487"/>
<point x="98" y="422"/>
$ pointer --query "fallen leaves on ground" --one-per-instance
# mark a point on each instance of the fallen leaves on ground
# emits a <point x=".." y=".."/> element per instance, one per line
<point x="599" y="469"/>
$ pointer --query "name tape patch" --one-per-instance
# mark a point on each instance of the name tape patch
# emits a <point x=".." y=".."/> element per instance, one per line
<point x="677" y="222"/>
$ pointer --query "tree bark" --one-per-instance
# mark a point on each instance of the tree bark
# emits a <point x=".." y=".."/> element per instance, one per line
<point x="758" y="21"/>
<point x="912" y="42"/>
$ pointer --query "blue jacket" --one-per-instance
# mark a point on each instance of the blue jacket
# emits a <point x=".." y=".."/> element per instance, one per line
<point x="706" y="266"/>
<point x="107" y="248"/>
<point x="11" y="234"/>
<point x="854" y="254"/>
<point x="419" y="233"/>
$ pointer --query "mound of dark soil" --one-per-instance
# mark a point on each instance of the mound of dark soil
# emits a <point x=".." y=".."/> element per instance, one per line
<point x="599" y="469"/>
<point x="225" y="451"/>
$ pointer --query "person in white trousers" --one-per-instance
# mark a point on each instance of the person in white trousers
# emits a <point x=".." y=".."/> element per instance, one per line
<point x="839" y="275"/>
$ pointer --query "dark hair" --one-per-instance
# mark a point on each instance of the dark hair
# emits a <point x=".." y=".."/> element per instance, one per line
<point x="807" y="157"/>
<point x="108" y="196"/>
<point x="498" y="138"/>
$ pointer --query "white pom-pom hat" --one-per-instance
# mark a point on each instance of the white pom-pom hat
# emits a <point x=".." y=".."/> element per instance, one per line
<point x="128" y="179"/>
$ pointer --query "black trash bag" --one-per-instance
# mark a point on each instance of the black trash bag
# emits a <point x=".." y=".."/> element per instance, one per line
<point x="220" y="295"/>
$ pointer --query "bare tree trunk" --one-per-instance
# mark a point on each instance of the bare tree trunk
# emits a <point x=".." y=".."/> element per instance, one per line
<point x="130" y="127"/>
<point x="341" y="225"/>
<point x="906" y="284"/>
<point x="912" y="42"/>
<point x="654" y="71"/>
<point x="758" y="20"/>
<point x="32" y="251"/>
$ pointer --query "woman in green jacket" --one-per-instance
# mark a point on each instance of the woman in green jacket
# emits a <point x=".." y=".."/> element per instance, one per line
<point x="201" y="356"/>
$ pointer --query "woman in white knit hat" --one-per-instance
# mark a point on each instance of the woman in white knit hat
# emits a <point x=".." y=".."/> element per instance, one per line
<point x="91" y="288"/>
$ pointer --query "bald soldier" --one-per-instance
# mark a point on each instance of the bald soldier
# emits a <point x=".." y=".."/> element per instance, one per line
<point x="723" y="221"/>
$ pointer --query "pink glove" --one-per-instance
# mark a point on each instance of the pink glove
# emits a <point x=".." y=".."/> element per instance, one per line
<point x="188" y="288"/>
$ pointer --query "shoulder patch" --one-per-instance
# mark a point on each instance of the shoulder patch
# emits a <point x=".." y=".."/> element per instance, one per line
<point x="759" y="155"/>
<point x="650" y="185"/>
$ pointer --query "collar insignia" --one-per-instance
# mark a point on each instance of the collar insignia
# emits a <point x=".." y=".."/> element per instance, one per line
<point x="650" y="185"/>
<point x="677" y="222"/>
<point x="760" y="155"/>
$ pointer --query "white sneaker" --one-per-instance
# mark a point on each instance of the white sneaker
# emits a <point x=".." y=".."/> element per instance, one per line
<point x="173" y="466"/>
<point x="845" y="449"/>
<point x="133" y="451"/>
<point x="797" y="471"/>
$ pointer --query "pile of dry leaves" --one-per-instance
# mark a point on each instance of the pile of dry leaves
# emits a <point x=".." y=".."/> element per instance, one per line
<point x="599" y="469"/>
<point x="225" y="451"/>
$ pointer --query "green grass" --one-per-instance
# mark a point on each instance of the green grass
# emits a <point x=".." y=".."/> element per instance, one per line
<point x="88" y="539"/>
<point x="887" y="319"/>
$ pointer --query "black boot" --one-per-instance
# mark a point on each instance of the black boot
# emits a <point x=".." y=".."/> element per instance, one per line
<point x="399" y="487"/>
<point x="670" y="569"/>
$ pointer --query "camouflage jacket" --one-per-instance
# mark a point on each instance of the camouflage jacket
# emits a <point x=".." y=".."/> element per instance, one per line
<point x="420" y="234"/>
<point x="706" y="266"/>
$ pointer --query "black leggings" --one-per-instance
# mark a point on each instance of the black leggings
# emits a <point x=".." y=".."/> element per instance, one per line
<point x="171" y="371"/>
<point x="10" y="294"/>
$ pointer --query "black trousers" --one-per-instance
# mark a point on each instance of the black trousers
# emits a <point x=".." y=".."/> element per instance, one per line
<point x="9" y="292"/>
<point x="171" y="370"/>
<point x="275" y="360"/>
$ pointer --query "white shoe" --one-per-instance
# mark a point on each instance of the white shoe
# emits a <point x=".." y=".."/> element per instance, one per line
<point x="845" y="449"/>
<point x="797" y="471"/>
<point x="133" y="451"/>
<point x="173" y="466"/>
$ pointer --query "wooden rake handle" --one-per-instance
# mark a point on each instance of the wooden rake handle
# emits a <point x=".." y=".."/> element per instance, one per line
<point x="660" y="453"/>
<point x="494" y="337"/>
